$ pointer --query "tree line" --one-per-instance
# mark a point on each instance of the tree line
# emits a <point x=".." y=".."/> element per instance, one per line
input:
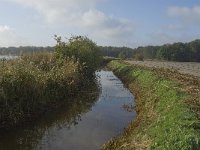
<point x="170" y="52"/>
<point x="182" y="52"/>
<point x="111" y="51"/>
<point x="105" y="50"/>
<point x="24" y="50"/>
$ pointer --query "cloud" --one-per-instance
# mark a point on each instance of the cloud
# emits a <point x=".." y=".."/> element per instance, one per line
<point x="163" y="37"/>
<point x="4" y="28"/>
<point x="83" y="16"/>
<point x="9" y="37"/>
<point x="56" y="10"/>
<point x="105" y="26"/>
<point x="183" y="22"/>
<point x="186" y="14"/>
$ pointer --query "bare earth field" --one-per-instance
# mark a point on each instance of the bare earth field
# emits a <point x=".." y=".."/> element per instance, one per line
<point x="191" y="68"/>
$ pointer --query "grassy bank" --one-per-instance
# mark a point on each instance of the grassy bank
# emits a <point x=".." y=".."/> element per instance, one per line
<point x="165" y="117"/>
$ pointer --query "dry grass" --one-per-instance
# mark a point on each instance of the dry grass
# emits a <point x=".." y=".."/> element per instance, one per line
<point x="32" y="85"/>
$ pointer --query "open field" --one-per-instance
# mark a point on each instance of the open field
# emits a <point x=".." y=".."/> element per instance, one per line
<point x="191" y="68"/>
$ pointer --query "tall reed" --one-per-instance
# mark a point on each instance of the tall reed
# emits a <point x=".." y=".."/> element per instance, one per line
<point x="34" y="83"/>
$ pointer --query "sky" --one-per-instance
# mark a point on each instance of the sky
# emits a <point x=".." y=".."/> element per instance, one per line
<point x="129" y="23"/>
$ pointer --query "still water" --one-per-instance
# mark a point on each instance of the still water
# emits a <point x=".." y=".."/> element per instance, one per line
<point x="7" y="57"/>
<point x="85" y="124"/>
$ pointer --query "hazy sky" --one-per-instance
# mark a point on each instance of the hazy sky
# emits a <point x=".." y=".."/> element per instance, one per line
<point x="108" y="22"/>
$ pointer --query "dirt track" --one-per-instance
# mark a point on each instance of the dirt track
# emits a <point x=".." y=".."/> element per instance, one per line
<point x="191" y="68"/>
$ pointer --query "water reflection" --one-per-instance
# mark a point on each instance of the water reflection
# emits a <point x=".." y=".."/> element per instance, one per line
<point x="85" y="123"/>
<point x="30" y="135"/>
<point x="7" y="57"/>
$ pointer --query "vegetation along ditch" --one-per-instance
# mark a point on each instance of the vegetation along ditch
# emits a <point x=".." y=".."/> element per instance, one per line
<point x="37" y="83"/>
<point x="166" y="116"/>
<point x="167" y="102"/>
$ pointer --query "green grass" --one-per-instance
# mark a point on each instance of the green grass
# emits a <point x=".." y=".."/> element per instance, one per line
<point x="164" y="121"/>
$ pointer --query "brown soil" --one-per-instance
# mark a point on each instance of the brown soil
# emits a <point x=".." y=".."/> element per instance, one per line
<point x="191" y="68"/>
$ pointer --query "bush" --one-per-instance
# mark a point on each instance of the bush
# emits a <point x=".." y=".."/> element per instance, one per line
<point x="122" y="56"/>
<point x="82" y="49"/>
<point x="139" y="57"/>
<point x="34" y="83"/>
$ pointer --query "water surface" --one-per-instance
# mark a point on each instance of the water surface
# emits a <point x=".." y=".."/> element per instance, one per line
<point x="85" y="124"/>
<point x="7" y="57"/>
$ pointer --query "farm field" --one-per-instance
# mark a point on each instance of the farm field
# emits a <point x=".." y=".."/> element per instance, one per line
<point x="191" y="68"/>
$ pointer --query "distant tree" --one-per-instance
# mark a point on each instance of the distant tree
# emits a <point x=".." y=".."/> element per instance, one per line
<point x="122" y="55"/>
<point x="139" y="56"/>
<point x="115" y="51"/>
<point x="195" y="50"/>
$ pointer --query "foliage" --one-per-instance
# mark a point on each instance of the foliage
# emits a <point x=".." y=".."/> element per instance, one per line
<point x="32" y="83"/>
<point x="122" y="55"/>
<point x="139" y="57"/>
<point x="36" y="82"/>
<point x="172" y="52"/>
<point x="81" y="49"/>
<point x="111" y="51"/>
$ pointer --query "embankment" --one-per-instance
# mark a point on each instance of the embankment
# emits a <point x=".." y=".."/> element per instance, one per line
<point x="167" y="106"/>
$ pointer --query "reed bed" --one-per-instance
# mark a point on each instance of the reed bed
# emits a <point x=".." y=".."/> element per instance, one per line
<point x="32" y="84"/>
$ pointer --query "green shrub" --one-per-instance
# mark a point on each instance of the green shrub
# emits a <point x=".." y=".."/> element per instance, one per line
<point x="82" y="49"/>
<point x="139" y="57"/>
<point x="122" y="55"/>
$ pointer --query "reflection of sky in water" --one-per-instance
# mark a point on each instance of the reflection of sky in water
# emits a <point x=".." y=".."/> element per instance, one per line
<point x="112" y="86"/>
<point x="106" y="119"/>
<point x="7" y="57"/>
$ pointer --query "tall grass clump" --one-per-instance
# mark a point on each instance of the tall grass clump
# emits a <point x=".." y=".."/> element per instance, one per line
<point x="36" y="83"/>
<point x="32" y="83"/>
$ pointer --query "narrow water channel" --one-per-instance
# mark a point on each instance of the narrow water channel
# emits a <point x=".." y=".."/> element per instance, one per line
<point x="84" y="125"/>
